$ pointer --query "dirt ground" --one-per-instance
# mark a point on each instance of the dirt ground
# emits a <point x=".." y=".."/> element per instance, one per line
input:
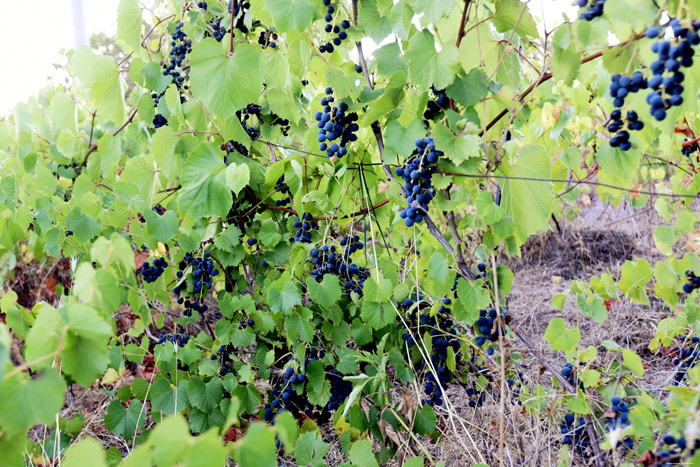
<point x="601" y="239"/>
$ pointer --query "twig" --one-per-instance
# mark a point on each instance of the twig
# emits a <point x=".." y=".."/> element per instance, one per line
<point x="462" y="23"/>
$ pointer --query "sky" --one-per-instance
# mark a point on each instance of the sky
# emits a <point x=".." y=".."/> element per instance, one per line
<point x="30" y="49"/>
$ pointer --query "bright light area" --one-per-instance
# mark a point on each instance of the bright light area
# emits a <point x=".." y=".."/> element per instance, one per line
<point x="31" y="47"/>
<point x="28" y="54"/>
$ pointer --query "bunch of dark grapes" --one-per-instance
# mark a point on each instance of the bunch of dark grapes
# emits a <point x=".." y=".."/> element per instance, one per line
<point x="436" y="106"/>
<point x="217" y="31"/>
<point x="340" y="389"/>
<point x="487" y="329"/>
<point x="619" y="418"/>
<point x="152" y="273"/>
<point x="481" y="267"/>
<point x="476" y="398"/>
<point x="303" y="227"/>
<point x="575" y="434"/>
<point x="442" y="335"/>
<point x="267" y="39"/>
<point x="243" y="210"/>
<point x="283" y="397"/>
<point x="417" y="173"/>
<point x="668" y="79"/>
<point x="181" y="45"/>
<point x="334" y="123"/>
<point x="202" y="5"/>
<point x="672" y="454"/>
<point x="282" y="187"/>
<point x="223" y="356"/>
<point x="595" y="9"/>
<point x="621" y="139"/>
<point x="328" y="261"/>
<point x="341" y="35"/>
<point x="233" y="146"/>
<point x="200" y="276"/>
<point x="685" y="357"/>
<point x="693" y="282"/>
<point x="160" y="210"/>
<point x="178" y="338"/>
<point x="241" y="7"/>
<point x="688" y="148"/>
<point x="569" y="373"/>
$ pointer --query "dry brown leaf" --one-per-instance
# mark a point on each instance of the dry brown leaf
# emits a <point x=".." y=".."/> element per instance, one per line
<point x="383" y="187"/>
<point x="585" y="200"/>
<point x="694" y="240"/>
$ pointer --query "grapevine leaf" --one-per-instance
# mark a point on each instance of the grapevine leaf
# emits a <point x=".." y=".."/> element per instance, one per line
<point x="560" y="337"/>
<point x="225" y="83"/>
<point x="327" y="292"/>
<point x="124" y="421"/>
<point x="129" y="24"/>
<point x="427" y="66"/>
<point x="162" y="227"/>
<point x="291" y="14"/>
<point x="204" y="189"/>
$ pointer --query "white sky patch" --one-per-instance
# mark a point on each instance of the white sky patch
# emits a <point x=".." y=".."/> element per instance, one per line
<point x="31" y="49"/>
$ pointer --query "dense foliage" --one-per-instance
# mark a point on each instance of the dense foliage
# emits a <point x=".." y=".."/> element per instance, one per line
<point x="251" y="227"/>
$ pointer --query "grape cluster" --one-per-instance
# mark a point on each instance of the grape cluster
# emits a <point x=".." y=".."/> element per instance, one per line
<point x="327" y="260"/>
<point x="192" y="304"/>
<point x="417" y="173"/>
<point x="668" y="79"/>
<point x="685" y="357"/>
<point x="238" y="7"/>
<point x="304" y="226"/>
<point x="476" y="397"/>
<point x="436" y="106"/>
<point x="267" y="39"/>
<point x="233" y="146"/>
<point x="181" y="45"/>
<point x="178" y="338"/>
<point x="442" y="335"/>
<point x="693" y="282"/>
<point x="159" y="120"/>
<point x="688" y="149"/>
<point x="282" y="187"/>
<point x="673" y="451"/>
<point x="486" y="327"/>
<point x="202" y="5"/>
<point x="575" y="434"/>
<point x="334" y="123"/>
<point x="619" y="418"/>
<point x="594" y="10"/>
<point x="217" y="31"/>
<point x="285" y="398"/>
<point x="152" y="273"/>
<point x="223" y="355"/>
<point x="569" y="373"/>
<point x="160" y="210"/>
<point x="622" y="138"/>
<point x="341" y="35"/>
<point x="203" y="271"/>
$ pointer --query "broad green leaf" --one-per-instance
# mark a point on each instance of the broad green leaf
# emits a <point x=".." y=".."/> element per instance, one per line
<point x="204" y="189"/>
<point x="361" y="454"/>
<point x="87" y="451"/>
<point x="529" y="203"/>
<point x="560" y="337"/>
<point x="125" y="421"/>
<point x="100" y="76"/>
<point x="257" y="448"/>
<point x="633" y="362"/>
<point x="162" y="227"/>
<point x="510" y="13"/>
<point x="204" y="396"/>
<point x="25" y="402"/>
<point x="291" y="14"/>
<point x="310" y="449"/>
<point x="427" y="66"/>
<point x="325" y="293"/>
<point x="470" y="89"/>
<point x="237" y="177"/>
<point x="163" y="147"/>
<point x="225" y="83"/>
<point x="378" y="292"/>
<point x="284" y="295"/>
<point x="129" y="24"/>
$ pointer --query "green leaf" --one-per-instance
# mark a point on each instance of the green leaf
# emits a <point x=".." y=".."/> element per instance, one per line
<point x="163" y="147"/>
<point x="162" y="227"/>
<point x="257" y="447"/>
<point x="595" y="308"/>
<point x="633" y="362"/>
<point x="512" y="12"/>
<point x="425" y="420"/>
<point x="204" y="396"/>
<point x="291" y="14"/>
<point x="389" y="59"/>
<point x="25" y="402"/>
<point x="529" y="203"/>
<point x="310" y="449"/>
<point x="167" y="398"/>
<point x="427" y="66"/>
<point x="84" y="227"/>
<point x="122" y="421"/>
<point x="439" y="267"/>
<point x="204" y="188"/>
<point x="129" y="24"/>
<point x="101" y="78"/>
<point x="325" y="293"/>
<point x="432" y="10"/>
<point x="237" y="177"/>
<point x="268" y="235"/>
<point x="469" y="90"/>
<point x="85" y="452"/>
<point x="283" y="296"/>
<point x="361" y="454"/>
<point x="560" y="337"/>
<point x="456" y="147"/>
<point x="378" y="292"/>
<point x="225" y="83"/>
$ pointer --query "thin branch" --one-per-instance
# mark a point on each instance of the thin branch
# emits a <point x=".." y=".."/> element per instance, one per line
<point x="463" y="23"/>
<point x="233" y="8"/>
<point x="93" y="147"/>
<point x="563" y="180"/>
